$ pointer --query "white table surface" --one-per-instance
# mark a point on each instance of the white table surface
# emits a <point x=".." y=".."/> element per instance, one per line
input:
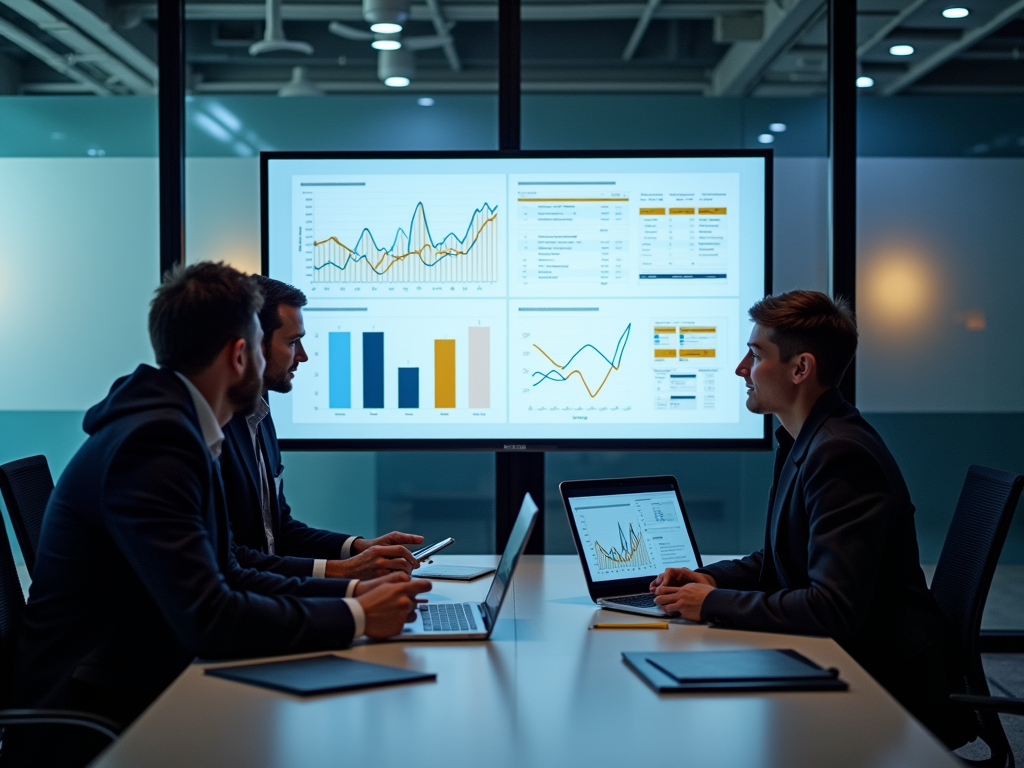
<point x="544" y="691"/>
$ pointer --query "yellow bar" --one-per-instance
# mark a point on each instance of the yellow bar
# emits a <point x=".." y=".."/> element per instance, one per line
<point x="573" y="199"/>
<point x="652" y="211"/>
<point x="665" y="329"/>
<point x="698" y="330"/>
<point x="696" y="352"/>
<point x="681" y="211"/>
<point x="444" y="373"/>
<point x="711" y="211"/>
<point x="664" y="353"/>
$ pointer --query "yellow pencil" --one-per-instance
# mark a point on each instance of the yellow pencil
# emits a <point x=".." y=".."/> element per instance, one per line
<point x="622" y="625"/>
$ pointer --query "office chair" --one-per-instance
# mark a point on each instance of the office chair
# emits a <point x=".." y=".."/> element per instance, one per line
<point x="961" y="582"/>
<point x="26" y="485"/>
<point x="12" y="606"/>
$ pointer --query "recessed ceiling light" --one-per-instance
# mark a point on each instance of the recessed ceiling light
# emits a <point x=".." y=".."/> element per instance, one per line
<point x="956" y="13"/>
<point x="902" y="50"/>
<point x="386" y="28"/>
<point x="425" y="101"/>
<point x="386" y="45"/>
<point x="766" y="138"/>
<point x="865" y="82"/>
<point x="396" y="82"/>
<point x="777" y="127"/>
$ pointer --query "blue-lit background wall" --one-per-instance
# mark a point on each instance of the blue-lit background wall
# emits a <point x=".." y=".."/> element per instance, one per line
<point x="941" y="188"/>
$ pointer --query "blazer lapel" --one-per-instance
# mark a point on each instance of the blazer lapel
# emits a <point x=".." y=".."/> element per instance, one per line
<point x="243" y="448"/>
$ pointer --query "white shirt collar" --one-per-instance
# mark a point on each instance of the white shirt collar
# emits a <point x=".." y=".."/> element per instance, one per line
<point x="212" y="433"/>
<point x="254" y="418"/>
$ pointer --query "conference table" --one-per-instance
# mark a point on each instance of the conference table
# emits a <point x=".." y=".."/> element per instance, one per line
<point x="545" y="690"/>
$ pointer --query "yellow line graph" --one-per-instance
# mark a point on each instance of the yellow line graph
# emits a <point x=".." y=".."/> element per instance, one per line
<point x="334" y="261"/>
<point x="614" y="364"/>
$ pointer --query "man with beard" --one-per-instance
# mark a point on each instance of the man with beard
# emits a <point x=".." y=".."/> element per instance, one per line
<point x="266" y="535"/>
<point x="135" y="575"/>
<point x="840" y="554"/>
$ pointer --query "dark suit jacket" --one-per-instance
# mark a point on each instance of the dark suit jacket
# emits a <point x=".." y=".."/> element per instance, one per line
<point x="840" y="559"/>
<point x="296" y="544"/>
<point x="135" y="574"/>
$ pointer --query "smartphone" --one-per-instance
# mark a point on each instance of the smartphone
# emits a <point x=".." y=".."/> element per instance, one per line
<point x="425" y="553"/>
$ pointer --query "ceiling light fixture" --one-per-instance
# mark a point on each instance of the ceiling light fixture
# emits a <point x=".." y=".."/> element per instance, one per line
<point x="766" y="138"/>
<point x="865" y="82"/>
<point x="956" y="13"/>
<point x="902" y="50"/>
<point x="396" y="69"/>
<point x="386" y="28"/>
<point x="386" y="45"/>
<point x="396" y="82"/>
<point x="386" y="17"/>
<point x="425" y="101"/>
<point x="777" y="127"/>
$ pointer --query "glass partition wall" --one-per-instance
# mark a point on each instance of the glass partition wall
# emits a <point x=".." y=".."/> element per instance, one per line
<point x="940" y="190"/>
<point x="79" y="230"/>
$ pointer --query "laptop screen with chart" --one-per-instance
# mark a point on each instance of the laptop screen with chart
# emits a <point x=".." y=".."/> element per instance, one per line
<point x="519" y="300"/>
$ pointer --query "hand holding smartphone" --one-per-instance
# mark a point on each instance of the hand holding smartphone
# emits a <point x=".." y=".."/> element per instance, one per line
<point x="425" y="553"/>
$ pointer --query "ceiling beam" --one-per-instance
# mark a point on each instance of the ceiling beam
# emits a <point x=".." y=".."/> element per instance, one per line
<point x="740" y="70"/>
<point x="640" y="29"/>
<point x="84" y="47"/>
<point x="460" y="12"/>
<point x="51" y="58"/>
<point x="434" y="87"/>
<point x="968" y="37"/>
<point x="889" y="27"/>
<point x="99" y="29"/>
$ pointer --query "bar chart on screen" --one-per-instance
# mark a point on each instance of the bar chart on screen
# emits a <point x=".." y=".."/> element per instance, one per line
<point x="367" y="365"/>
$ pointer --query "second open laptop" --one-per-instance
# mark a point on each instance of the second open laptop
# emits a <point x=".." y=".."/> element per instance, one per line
<point x="627" y="531"/>
<point x="475" y="621"/>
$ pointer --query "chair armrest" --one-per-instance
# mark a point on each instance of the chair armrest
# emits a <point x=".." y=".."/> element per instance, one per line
<point x="108" y="728"/>
<point x="992" y="703"/>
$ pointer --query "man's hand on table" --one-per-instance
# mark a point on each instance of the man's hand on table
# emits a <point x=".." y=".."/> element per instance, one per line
<point x="682" y="591"/>
<point x="390" y="603"/>
<point x="374" y="560"/>
<point x="395" y="537"/>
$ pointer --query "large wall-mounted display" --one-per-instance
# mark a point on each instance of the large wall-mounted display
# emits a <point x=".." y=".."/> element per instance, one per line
<point x="492" y="300"/>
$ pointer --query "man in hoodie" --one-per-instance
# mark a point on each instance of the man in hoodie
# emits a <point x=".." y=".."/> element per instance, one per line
<point x="266" y="535"/>
<point x="135" y="575"/>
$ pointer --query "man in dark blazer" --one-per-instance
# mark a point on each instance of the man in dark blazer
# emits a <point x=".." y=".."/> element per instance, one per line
<point x="840" y="556"/>
<point x="135" y="574"/>
<point x="265" y="533"/>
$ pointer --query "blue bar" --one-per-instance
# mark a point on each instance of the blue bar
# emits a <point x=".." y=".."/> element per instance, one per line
<point x="408" y="387"/>
<point x="373" y="370"/>
<point x="339" y="356"/>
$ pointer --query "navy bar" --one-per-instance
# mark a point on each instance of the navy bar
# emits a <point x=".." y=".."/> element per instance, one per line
<point x="373" y="370"/>
<point x="408" y="387"/>
<point x="684" y="277"/>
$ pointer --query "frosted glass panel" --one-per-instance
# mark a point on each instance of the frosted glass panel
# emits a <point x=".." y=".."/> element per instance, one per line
<point x="78" y="265"/>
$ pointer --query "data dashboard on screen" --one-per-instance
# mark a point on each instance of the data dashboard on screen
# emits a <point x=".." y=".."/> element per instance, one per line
<point x="526" y="299"/>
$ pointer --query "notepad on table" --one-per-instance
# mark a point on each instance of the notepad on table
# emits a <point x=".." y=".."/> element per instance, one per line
<point x="749" y="670"/>
<point x="320" y="674"/>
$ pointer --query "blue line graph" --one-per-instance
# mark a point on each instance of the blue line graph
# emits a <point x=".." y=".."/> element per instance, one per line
<point x="432" y="261"/>
<point x="558" y="374"/>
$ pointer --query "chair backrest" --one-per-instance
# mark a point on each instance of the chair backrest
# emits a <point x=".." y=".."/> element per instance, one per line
<point x="964" y="573"/>
<point x="26" y="485"/>
<point x="12" y="606"/>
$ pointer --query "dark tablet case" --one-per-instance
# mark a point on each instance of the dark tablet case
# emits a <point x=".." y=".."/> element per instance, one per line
<point x="720" y="671"/>
<point x="320" y="674"/>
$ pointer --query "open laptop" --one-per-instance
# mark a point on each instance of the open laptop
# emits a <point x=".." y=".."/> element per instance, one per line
<point x="474" y="621"/>
<point x="627" y="531"/>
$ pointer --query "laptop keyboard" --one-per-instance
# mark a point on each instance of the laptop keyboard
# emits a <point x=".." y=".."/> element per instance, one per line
<point x="447" y="617"/>
<point x="637" y="601"/>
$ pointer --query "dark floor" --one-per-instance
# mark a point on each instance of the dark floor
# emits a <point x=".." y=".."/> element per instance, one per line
<point x="1005" y="672"/>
